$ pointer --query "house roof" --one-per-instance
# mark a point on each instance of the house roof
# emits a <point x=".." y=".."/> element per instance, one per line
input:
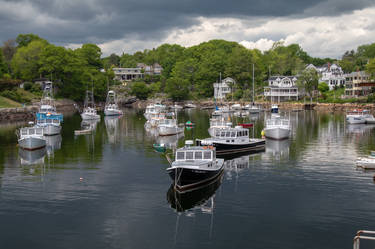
<point x="281" y="77"/>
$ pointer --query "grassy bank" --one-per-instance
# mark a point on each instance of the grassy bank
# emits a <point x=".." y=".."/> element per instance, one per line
<point x="8" y="103"/>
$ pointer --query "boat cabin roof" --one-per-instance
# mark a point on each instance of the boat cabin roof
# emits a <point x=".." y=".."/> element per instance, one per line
<point x="231" y="132"/>
<point x="189" y="153"/>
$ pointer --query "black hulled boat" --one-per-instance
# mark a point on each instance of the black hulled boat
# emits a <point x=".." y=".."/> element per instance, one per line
<point x="232" y="140"/>
<point x="194" y="166"/>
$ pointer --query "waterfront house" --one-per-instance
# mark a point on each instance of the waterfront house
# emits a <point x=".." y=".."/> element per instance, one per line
<point x="358" y="84"/>
<point x="128" y="74"/>
<point x="221" y="89"/>
<point x="282" y="88"/>
<point x="330" y="74"/>
<point x="154" y="69"/>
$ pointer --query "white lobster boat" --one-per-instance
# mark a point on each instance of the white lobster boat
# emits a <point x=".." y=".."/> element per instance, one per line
<point x="111" y="107"/>
<point x="31" y="138"/>
<point x="357" y="116"/>
<point x="167" y="127"/>
<point x="89" y="111"/>
<point x="277" y="128"/>
<point x="218" y="124"/>
<point x="366" y="162"/>
<point x="51" y="126"/>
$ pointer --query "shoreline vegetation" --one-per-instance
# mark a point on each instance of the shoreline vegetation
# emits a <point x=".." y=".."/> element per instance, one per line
<point x="188" y="73"/>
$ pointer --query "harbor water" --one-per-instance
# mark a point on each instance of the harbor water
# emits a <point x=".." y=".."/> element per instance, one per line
<point x="110" y="189"/>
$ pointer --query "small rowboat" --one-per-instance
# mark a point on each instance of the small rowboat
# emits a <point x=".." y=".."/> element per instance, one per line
<point x="189" y="123"/>
<point x="159" y="147"/>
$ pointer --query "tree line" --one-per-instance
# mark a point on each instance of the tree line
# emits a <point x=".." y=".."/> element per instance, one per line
<point x="188" y="73"/>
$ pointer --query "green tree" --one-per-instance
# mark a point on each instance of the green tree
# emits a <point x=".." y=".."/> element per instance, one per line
<point x="3" y="65"/>
<point x="370" y="68"/>
<point x="23" y="40"/>
<point x="140" y="90"/>
<point x="91" y="53"/>
<point x="25" y="62"/>
<point x="308" y="81"/>
<point x="323" y="87"/>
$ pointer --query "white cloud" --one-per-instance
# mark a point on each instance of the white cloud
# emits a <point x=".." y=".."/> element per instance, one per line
<point x="319" y="36"/>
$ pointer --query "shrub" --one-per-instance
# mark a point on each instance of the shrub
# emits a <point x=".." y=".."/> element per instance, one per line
<point x="140" y="90"/>
<point x="27" y="86"/>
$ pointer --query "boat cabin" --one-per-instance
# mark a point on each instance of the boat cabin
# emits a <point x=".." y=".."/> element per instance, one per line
<point x="231" y="133"/>
<point x="31" y="131"/>
<point x="168" y="122"/>
<point x="277" y="122"/>
<point x="195" y="153"/>
<point x="48" y="121"/>
<point x="47" y="108"/>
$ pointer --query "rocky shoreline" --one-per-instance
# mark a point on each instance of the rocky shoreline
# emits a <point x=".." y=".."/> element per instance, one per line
<point x="67" y="107"/>
<point x="324" y="107"/>
<point x="27" y="113"/>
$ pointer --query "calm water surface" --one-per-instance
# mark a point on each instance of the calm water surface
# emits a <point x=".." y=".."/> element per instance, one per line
<point x="111" y="190"/>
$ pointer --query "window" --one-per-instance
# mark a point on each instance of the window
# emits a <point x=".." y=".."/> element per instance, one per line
<point x="228" y="134"/>
<point x="189" y="155"/>
<point x="245" y="133"/>
<point x="223" y="133"/>
<point x="180" y="155"/>
<point x="233" y="134"/>
<point x="198" y="155"/>
<point x="207" y="155"/>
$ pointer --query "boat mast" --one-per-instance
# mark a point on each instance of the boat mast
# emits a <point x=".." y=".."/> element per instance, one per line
<point x="253" y="84"/>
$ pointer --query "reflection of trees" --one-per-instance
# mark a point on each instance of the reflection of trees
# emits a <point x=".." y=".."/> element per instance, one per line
<point x="88" y="148"/>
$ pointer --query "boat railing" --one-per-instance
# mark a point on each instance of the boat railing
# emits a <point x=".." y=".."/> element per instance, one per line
<point x="362" y="234"/>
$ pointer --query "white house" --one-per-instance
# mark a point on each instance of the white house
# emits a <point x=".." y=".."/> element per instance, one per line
<point x="282" y="88"/>
<point x="330" y="74"/>
<point x="221" y="89"/>
<point x="128" y="74"/>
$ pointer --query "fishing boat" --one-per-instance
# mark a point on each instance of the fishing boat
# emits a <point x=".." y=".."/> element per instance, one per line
<point x="155" y="119"/>
<point x="32" y="157"/>
<point x="357" y="116"/>
<point x="366" y="162"/>
<point x="218" y="124"/>
<point x="167" y="127"/>
<point x="31" y="138"/>
<point x="236" y="107"/>
<point x="154" y="109"/>
<point x="89" y="111"/>
<point x="111" y="107"/>
<point x="190" y="105"/>
<point x="277" y="127"/>
<point x="229" y="141"/>
<point x="47" y="116"/>
<point x="194" y="166"/>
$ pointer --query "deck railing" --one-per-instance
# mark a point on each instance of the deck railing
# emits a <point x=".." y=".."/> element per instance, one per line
<point x="362" y="234"/>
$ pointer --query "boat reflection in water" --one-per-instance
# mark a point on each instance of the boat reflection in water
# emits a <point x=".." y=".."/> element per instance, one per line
<point x="194" y="199"/>
<point x="53" y="143"/>
<point x="236" y="165"/>
<point x="32" y="157"/>
<point x="170" y="142"/>
<point x="277" y="149"/>
<point x="111" y="125"/>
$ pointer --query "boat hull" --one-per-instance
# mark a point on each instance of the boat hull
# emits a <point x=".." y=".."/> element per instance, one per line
<point x="51" y="130"/>
<point x="185" y="178"/>
<point x="231" y="148"/>
<point x="277" y="133"/>
<point x="356" y="119"/>
<point x="86" y="116"/>
<point x="112" y="112"/>
<point x="31" y="143"/>
<point x="168" y="131"/>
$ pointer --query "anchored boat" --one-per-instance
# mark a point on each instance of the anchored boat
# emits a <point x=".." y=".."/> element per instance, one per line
<point x="277" y="128"/>
<point x="232" y="140"/>
<point x="111" y="107"/>
<point x="31" y="138"/>
<point x="194" y="166"/>
<point x="89" y="111"/>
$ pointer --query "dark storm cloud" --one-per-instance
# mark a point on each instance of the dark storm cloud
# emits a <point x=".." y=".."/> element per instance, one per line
<point x="73" y="21"/>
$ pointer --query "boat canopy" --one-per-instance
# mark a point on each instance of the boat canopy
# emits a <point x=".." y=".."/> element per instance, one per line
<point x="195" y="153"/>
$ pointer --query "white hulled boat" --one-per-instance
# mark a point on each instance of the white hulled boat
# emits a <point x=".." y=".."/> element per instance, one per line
<point x="366" y="162"/>
<point x="31" y="138"/>
<point x="277" y="128"/>
<point x="154" y="109"/>
<point x="47" y="116"/>
<point x="357" y="116"/>
<point x="89" y="111"/>
<point x="167" y="127"/>
<point x="218" y="124"/>
<point x="111" y="107"/>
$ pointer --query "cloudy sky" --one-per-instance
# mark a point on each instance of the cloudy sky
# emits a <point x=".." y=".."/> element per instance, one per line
<point x="323" y="28"/>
